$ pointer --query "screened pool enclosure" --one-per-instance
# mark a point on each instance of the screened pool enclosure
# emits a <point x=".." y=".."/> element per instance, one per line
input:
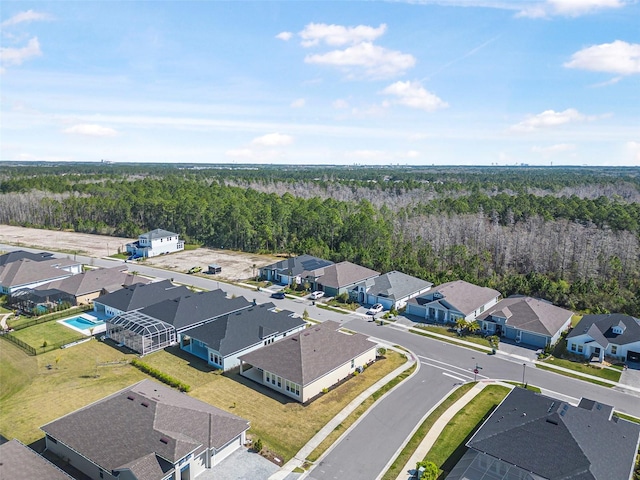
<point x="140" y="332"/>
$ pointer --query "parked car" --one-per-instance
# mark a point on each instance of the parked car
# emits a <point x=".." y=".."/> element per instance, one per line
<point x="316" y="295"/>
<point x="278" y="295"/>
<point x="377" y="308"/>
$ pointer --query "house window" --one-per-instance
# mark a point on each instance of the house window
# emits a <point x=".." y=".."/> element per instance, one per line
<point x="614" y="349"/>
<point x="573" y="347"/>
<point x="268" y="377"/>
<point x="580" y="348"/>
<point x="279" y="382"/>
<point x="482" y="309"/>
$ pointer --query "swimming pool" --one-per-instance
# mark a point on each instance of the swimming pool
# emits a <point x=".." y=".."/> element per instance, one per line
<point x="85" y="325"/>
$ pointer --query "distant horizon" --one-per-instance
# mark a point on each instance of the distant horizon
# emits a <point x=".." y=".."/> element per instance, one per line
<point x="410" y="82"/>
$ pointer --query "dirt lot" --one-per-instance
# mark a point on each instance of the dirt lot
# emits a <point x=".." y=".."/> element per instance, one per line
<point x="235" y="265"/>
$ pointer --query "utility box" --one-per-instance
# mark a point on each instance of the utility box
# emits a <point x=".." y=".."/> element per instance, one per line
<point x="213" y="269"/>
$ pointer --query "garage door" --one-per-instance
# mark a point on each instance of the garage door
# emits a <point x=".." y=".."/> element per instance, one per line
<point x="633" y="356"/>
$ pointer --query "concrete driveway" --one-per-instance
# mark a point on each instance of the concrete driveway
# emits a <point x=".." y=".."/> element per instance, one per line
<point x="241" y="465"/>
<point x="631" y="376"/>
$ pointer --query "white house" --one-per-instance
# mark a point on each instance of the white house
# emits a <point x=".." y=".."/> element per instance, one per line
<point x="145" y="432"/>
<point x="156" y="242"/>
<point x="612" y="335"/>
<point x="27" y="273"/>
<point x="391" y="290"/>
<point x="449" y="302"/>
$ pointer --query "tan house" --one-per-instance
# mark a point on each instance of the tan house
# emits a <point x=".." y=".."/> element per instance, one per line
<point x="301" y="366"/>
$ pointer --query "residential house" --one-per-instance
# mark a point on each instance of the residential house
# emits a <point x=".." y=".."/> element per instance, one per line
<point x="16" y="255"/>
<point x="613" y="335"/>
<point x="392" y="290"/>
<point x="449" y="302"/>
<point x="19" y="462"/>
<point x="156" y="242"/>
<point x="530" y="436"/>
<point x="220" y="342"/>
<point x="28" y="273"/>
<point x="527" y="320"/>
<point x="292" y="270"/>
<point x="160" y="324"/>
<point x="338" y="278"/>
<point x="301" y="366"/>
<point x="137" y="296"/>
<point x="145" y="432"/>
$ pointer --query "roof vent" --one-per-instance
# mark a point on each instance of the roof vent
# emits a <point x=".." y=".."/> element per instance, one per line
<point x="551" y="407"/>
<point x="164" y="440"/>
<point x="130" y="397"/>
<point x="144" y="404"/>
<point x="552" y="421"/>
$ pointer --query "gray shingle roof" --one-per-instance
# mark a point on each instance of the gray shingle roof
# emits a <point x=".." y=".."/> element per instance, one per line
<point x="25" y="271"/>
<point x="558" y="441"/>
<point x="126" y="428"/>
<point x="308" y="355"/>
<point x="296" y="265"/>
<point x="603" y="324"/>
<point x="463" y="296"/>
<point x="158" y="233"/>
<point x="19" y="462"/>
<point x="95" y="280"/>
<point x="396" y="285"/>
<point x="343" y="274"/>
<point x="193" y="308"/>
<point x="530" y="314"/>
<point x="20" y="254"/>
<point x="235" y="332"/>
<point x="139" y="296"/>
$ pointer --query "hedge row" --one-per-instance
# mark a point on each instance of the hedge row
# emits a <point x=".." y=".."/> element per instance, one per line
<point x="163" y="377"/>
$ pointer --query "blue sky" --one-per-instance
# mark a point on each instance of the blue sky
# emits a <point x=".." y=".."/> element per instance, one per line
<point x="448" y="82"/>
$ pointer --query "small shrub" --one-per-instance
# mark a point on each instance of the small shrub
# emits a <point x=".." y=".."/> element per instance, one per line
<point x="381" y="351"/>
<point x="257" y="445"/>
<point x="157" y="374"/>
<point x="325" y="390"/>
<point x="356" y="373"/>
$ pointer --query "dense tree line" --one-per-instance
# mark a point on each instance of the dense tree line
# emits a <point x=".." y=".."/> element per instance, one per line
<point x="543" y="232"/>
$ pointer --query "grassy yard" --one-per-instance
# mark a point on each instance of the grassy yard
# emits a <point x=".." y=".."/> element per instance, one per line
<point x="50" y="332"/>
<point x="449" y="446"/>
<point x="33" y="395"/>
<point x="606" y="373"/>
<point x="282" y="424"/>
<point x="477" y="339"/>
<point x="333" y="309"/>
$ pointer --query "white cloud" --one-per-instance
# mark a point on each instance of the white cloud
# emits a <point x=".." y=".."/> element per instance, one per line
<point x="567" y="8"/>
<point x="286" y="36"/>
<point x="634" y="152"/>
<point x="414" y="95"/>
<point x="413" y="154"/>
<point x="340" y="104"/>
<point x="273" y="140"/>
<point x="553" y="149"/>
<point x="25" y="17"/>
<point x="15" y="56"/>
<point x="375" y="60"/>
<point x="549" y="118"/>
<point x="618" y="57"/>
<point x="298" y="103"/>
<point x="338" y="35"/>
<point x="91" y="130"/>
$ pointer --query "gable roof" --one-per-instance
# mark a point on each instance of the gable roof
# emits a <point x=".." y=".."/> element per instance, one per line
<point x="600" y="328"/>
<point x="396" y="285"/>
<point x="463" y="296"/>
<point x="11" y="257"/>
<point x="568" y="442"/>
<point x="295" y="266"/>
<point x="232" y="333"/>
<point x="529" y="314"/>
<point x="158" y="233"/>
<point x="310" y="354"/>
<point x="95" y="280"/>
<point x="343" y="274"/>
<point x="139" y="296"/>
<point x="143" y="427"/>
<point x="19" y="462"/>
<point x="25" y="271"/>
<point x="193" y="308"/>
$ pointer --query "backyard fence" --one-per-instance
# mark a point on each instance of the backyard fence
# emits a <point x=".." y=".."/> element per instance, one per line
<point x="51" y="316"/>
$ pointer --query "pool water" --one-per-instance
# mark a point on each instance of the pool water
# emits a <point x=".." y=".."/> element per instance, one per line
<point x="82" y="323"/>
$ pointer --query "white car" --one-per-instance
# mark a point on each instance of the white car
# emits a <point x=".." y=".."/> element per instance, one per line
<point x="316" y="295"/>
<point x="377" y="308"/>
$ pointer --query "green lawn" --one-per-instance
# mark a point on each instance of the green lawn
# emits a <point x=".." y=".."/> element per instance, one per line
<point x="327" y="307"/>
<point x="607" y="374"/>
<point x="449" y="447"/>
<point x="51" y="332"/>
<point x="477" y="339"/>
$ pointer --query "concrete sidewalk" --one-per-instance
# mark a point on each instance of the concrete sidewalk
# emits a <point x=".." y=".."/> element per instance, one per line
<point x="434" y="432"/>
<point x="324" y="432"/>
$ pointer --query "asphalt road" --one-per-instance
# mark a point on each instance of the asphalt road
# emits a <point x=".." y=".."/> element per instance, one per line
<point x="366" y="449"/>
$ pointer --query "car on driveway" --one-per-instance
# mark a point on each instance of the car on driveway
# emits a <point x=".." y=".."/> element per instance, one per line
<point x="316" y="295"/>
<point x="278" y="295"/>
<point x="377" y="308"/>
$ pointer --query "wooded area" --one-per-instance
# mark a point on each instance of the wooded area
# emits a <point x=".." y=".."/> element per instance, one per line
<point x="569" y="235"/>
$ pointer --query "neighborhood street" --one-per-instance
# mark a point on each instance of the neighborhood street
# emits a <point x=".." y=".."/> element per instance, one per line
<point x="368" y="447"/>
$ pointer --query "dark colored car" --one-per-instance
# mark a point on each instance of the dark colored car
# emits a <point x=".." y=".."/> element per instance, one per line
<point x="278" y="295"/>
